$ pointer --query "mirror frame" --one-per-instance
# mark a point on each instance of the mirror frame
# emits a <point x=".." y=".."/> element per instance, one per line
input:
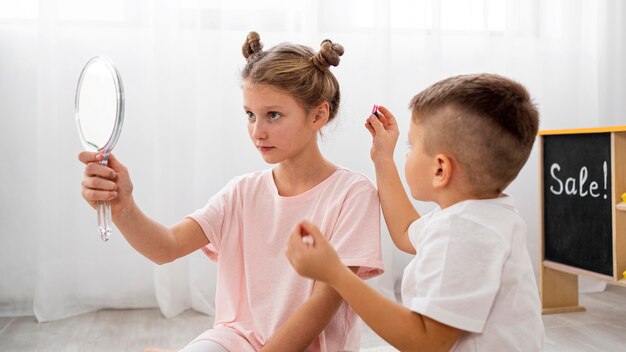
<point x="119" y="111"/>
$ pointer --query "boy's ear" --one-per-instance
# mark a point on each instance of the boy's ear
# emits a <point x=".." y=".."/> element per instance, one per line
<point x="321" y="114"/>
<point x="443" y="171"/>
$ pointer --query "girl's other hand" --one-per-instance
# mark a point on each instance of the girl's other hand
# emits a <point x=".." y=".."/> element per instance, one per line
<point x="313" y="256"/>
<point x="384" y="131"/>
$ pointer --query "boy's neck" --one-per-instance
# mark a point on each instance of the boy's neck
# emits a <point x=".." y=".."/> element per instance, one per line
<point x="451" y="197"/>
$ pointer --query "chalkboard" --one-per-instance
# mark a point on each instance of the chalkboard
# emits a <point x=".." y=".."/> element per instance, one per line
<point x="577" y="201"/>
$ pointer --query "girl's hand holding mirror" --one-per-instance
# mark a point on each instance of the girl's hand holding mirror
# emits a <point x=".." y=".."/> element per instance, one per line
<point x="109" y="182"/>
<point x="99" y="116"/>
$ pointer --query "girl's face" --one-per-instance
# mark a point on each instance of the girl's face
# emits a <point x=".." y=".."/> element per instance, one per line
<point x="278" y="126"/>
<point x="418" y="169"/>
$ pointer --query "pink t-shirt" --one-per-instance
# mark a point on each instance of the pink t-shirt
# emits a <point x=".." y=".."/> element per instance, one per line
<point x="248" y="224"/>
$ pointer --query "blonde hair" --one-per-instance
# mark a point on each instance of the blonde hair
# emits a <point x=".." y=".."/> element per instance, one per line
<point x="487" y="122"/>
<point x="295" y="69"/>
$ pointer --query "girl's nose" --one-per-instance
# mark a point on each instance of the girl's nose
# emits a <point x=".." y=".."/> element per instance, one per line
<point x="258" y="130"/>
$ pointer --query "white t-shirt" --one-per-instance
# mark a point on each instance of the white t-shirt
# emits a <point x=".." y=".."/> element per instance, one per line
<point x="472" y="271"/>
<point x="248" y="224"/>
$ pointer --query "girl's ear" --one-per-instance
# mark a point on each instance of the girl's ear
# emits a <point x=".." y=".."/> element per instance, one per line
<point x="443" y="171"/>
<point x="320" y="115"/>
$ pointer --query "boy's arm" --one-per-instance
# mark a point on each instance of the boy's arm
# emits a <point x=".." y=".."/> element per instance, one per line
<point x="401" y="327"/>
<point x="397" y="208"/>
<point x="308" y="321"/>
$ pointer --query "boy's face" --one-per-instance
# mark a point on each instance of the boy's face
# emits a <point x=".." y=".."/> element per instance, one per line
<point x="418" y="169"/>
<point x="277" y="124"/>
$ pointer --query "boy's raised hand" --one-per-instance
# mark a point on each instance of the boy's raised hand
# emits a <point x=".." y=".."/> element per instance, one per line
<point x="101" y="183"/>
<point x="384" y="131"/>
<point x="312" y="257"/>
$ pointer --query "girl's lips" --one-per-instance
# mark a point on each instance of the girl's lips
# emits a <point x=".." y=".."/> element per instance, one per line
<point x="264" y="149"/>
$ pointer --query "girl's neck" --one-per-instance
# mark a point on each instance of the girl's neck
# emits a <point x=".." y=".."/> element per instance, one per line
<point x="298" y="175"/>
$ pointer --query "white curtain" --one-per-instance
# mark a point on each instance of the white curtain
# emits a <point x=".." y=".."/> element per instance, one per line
<point x="184" y="134"/>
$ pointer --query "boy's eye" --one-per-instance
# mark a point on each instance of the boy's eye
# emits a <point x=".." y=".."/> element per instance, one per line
<point x="273" y="115"/>
<point x="250" y="115"/>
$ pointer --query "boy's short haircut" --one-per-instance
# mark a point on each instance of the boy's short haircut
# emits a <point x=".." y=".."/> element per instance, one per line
<point x="486" y="122"/>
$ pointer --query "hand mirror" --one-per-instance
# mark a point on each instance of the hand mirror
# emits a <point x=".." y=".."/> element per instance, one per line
<point x="99" y="115"/>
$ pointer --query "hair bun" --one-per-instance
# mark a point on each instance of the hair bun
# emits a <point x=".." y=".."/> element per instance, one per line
<point x="252" y="45"/>
<point x="328" y="55"/>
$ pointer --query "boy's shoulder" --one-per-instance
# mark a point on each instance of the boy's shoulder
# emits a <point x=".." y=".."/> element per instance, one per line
<point x="495" y="216"/>
<point x="483" y="208"/>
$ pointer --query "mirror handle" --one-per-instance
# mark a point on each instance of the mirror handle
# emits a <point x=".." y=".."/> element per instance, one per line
<point x="104" y="211"/>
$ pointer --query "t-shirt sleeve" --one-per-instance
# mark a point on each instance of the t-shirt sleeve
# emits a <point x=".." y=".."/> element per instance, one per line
<point x="356" y="236"/>
<point x="457" y="272"/>
<point x="218" y="214"/>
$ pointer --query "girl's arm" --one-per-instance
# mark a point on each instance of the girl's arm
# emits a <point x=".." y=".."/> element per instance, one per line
<point x="157" y="242"/>
<point x="308" y="321"/>
<point x="153" y="240"/>
<point x="401" y="327"/>
<point x="397" y="209"/>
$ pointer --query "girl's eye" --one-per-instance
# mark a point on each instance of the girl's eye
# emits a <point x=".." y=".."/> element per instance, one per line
<point x="250" y="115"/>
<point x="273" y="115"/>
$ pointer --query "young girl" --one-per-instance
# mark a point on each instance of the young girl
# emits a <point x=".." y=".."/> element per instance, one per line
<point x="289" y="94"/>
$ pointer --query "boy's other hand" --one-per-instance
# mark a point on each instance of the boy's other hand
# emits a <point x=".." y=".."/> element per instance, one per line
<point x="312" y="257"/>
<point x="384" y="131"/>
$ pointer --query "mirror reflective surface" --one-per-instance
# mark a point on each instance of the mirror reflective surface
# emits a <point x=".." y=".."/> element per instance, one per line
<point x="99" y="115"/>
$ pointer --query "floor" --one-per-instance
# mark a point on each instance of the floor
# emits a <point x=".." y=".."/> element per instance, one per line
<point x="601" y="328"/>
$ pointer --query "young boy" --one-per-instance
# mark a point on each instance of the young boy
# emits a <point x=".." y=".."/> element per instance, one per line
<point x="471" y="285"/>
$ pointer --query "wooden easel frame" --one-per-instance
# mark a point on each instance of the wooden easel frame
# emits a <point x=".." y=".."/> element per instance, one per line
<point x="559" y="282"/>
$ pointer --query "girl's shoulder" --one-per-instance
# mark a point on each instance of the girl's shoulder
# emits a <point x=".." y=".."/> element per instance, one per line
<point x="253" y="176"/>
<point x="347" y="184"/>
<point x="352" y="178"/>
<point x="252" y="180"/>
